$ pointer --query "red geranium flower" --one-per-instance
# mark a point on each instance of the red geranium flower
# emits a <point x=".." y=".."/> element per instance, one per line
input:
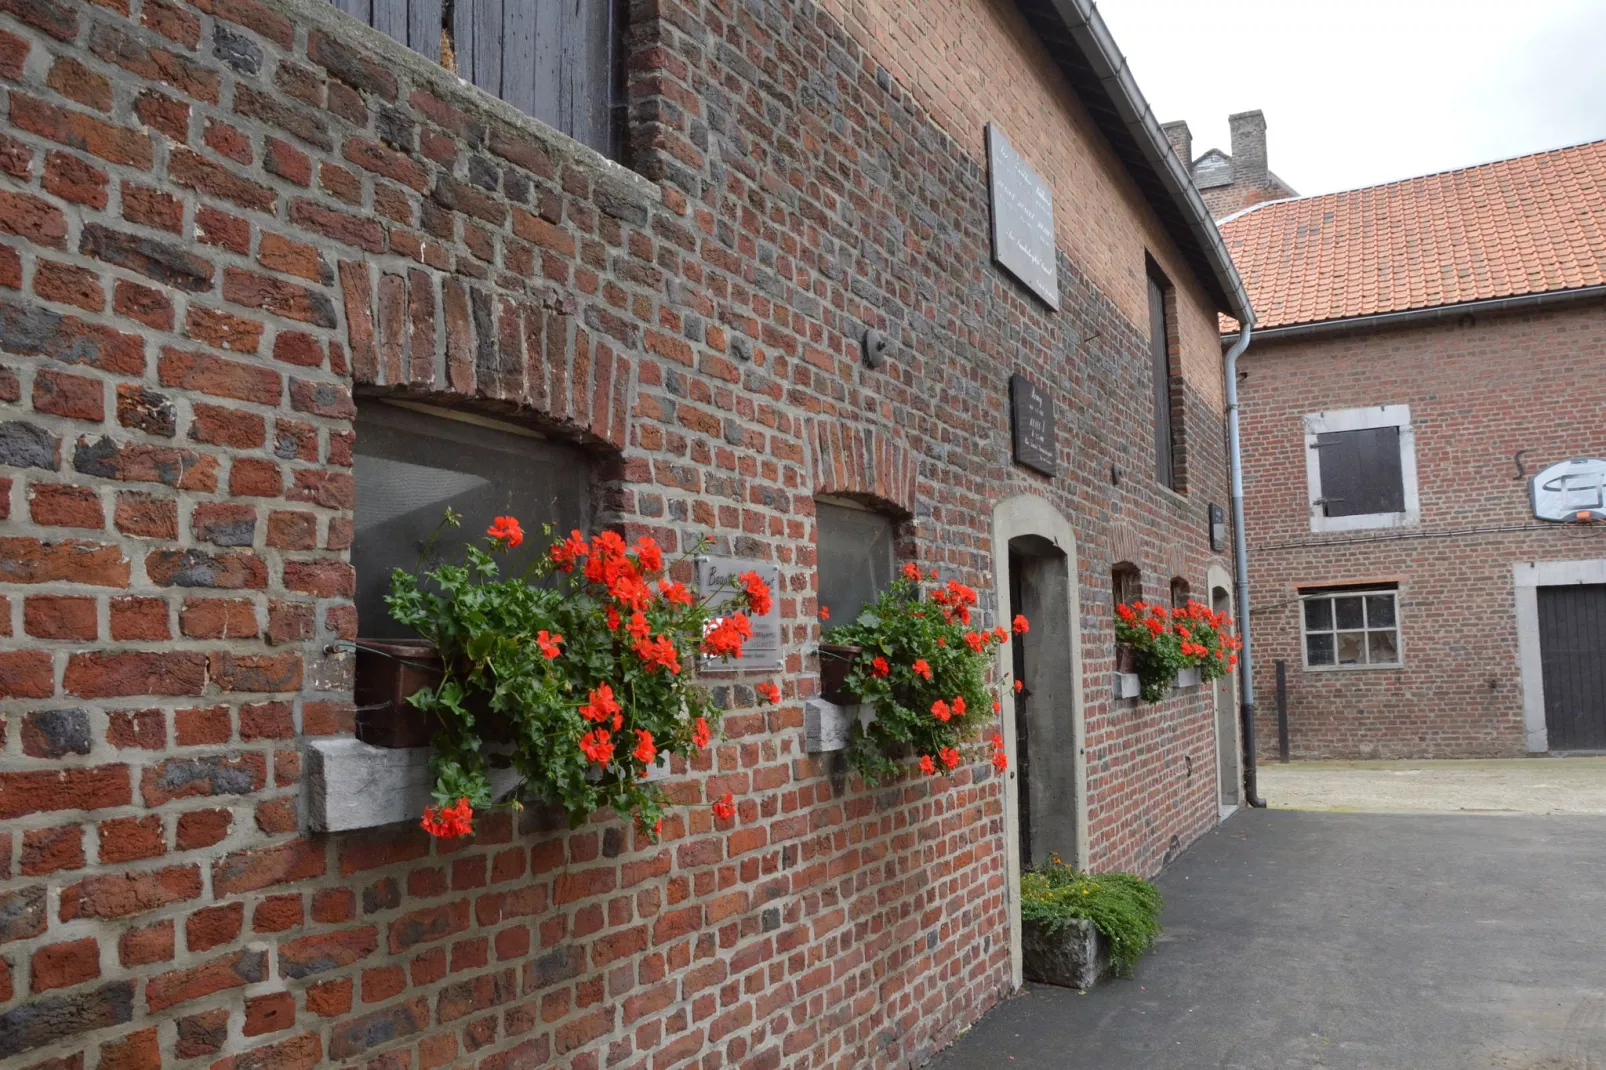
<point x="570" y="550"/>
<point x="597" y="746"/>
<point x="449" y="821"/>
<point x="548" y="643"/>
<point x="725" y="636"/>
<point x="638" y="627"/>
<point x="659" y="653"/>
<point x="926" y="765"/>
<point x="921" y="668"/>
<point x="507" y="530"/>
<point x="1018" y="687"/>
<point x="911" y="571"/>
<point x="825" y="612"/>
<point x="770" y="692"/>
<point x="649" y="555"/>
<point x="645" y="751"/>
<point x="758" y="592"/>
<point x="601" y="705"/>
<point x="959" y="705"/>
<point x="1020" y="625"/>
<point x="977" y="641"/>
<point x="725" y="809"/>
<point x="674" y="592"/>
<point x="700" y="733"/>
<point x="940" y="711"/>
<point x="879" y="666"/>
<point x="949" y="757"/>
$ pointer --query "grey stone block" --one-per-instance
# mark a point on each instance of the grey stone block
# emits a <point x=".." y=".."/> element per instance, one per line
<point x="1074" y="957"/>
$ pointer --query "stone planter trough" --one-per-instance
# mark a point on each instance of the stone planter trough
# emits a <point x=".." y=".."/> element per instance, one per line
<point x="1073" y="957"/>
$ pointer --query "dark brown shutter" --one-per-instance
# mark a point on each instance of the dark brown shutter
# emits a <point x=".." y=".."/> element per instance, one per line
<point x="1361" y="472"/>
<point x="1162" y="385"/>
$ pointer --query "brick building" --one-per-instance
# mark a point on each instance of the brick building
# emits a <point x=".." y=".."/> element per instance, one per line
<point x="273" y="282"/>
<point x="1231" y="182"/>
<point x="1426" y="352"/>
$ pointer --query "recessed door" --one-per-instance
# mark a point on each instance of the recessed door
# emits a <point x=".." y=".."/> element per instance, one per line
<point x="1572" y="655"/>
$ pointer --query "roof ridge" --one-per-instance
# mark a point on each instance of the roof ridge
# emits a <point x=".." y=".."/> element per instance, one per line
<point x="1430" y="174"/>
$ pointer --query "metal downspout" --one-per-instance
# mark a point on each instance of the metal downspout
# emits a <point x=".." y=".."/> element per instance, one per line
<point x="1240" y="554"/>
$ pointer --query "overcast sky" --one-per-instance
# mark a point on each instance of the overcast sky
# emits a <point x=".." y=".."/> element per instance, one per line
<point x="1364" y="91"/>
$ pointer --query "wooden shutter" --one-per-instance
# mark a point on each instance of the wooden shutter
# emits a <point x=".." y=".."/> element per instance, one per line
<point x="415" y="23"/>
<point x="1361" y="472"/>
<point x="553" y="59"/>
<point x="1162" y="385"/>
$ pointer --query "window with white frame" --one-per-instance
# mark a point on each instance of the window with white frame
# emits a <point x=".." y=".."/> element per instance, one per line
<point x="1351" y="627"/>
<point x="1360" y="468"/>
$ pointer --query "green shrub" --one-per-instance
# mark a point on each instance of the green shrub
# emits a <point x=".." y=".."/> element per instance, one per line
<point x="1125" y="908"/>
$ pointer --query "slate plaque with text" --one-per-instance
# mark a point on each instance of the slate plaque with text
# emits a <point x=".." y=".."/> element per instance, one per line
<point x="763" y="651"/>
<point x="1023" y="219"/>
<point x="1031" y="413"/>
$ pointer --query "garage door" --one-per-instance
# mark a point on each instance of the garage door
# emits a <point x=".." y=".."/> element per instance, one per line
<point x="1572" y="646"/>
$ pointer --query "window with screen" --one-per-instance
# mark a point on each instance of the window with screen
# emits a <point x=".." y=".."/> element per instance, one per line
<point x="1351" y="628"/>
<point x="411" y="463"/>
<point x="855" y="556"/>
<point x="1180" y="592"/>
<point x="1126" y="583"/>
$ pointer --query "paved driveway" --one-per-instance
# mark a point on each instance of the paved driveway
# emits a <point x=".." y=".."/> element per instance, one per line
<point x="1497" y="785"/>
<point x="1395" y="942"/>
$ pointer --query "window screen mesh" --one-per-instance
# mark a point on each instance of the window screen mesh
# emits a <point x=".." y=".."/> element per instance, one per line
<point x="410" y="467"/>
<point x="855" y="558"/>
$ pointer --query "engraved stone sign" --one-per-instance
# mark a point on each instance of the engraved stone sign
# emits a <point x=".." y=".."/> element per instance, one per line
<point x="1031" y="413"/>
<point x="763" y="650"/>
<point x="1023" y="219"/>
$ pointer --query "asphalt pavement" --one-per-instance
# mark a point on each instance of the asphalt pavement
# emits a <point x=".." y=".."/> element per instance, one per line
<point x="1345" y="940"/>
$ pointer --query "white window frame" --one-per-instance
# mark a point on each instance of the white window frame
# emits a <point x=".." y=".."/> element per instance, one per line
<point x="1341" y="591"/>
<point x="1322" y="423"/>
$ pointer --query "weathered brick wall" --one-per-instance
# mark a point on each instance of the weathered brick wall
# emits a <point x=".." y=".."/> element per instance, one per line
<point x="1479" y="391"/>
<point x="221" y="220"/>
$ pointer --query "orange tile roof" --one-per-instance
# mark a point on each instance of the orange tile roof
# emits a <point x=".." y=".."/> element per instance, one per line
<point x="1527" y="225"/>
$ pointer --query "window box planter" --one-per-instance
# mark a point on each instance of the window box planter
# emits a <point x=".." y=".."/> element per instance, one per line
<point x="1190" y="677"/>
<point x="836" y="662"/>
<point x="1128" y="685"/>
<point x="1075" y="956"/>
<point x="389" y="671"/>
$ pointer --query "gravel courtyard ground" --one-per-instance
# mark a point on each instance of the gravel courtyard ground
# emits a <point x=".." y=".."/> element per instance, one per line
<point x="1353" y="941"/>
<point x="1518" y="785"/>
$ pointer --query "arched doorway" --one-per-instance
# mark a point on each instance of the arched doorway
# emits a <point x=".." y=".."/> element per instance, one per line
<point x="1045" y="799"/>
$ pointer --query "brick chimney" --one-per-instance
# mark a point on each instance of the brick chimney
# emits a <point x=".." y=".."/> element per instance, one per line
<point x="1181" y="139"/>
<point x="1248" y="148"/>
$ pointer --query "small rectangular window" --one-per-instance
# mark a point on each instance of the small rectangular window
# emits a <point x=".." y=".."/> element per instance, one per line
<point x="1351" y="628"/>
<point x="411" y="465"/>
<point x="855" y="557"/>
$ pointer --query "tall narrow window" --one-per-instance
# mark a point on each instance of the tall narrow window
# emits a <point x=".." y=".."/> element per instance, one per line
<point x="1161" y="331"/>
<point x="855" y="556"/>
<point x="412" y="463"/>
<point x="1180" y="592"/>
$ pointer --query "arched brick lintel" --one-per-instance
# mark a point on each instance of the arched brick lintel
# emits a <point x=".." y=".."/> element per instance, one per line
<point x="866" y="463"/>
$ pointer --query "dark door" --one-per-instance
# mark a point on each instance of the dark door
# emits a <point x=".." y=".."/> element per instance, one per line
<point x="1023" y="751"/>
<point x="1572" y="652"/>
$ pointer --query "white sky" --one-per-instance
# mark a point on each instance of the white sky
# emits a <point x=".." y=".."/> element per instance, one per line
<point x="1364" y="91"/>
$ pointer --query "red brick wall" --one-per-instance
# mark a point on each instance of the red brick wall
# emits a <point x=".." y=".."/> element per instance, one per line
<point x="223" y="219"/>
<point x="1480" y="389"/>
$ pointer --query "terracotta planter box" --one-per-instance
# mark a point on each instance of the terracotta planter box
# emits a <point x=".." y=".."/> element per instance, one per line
<point x="835" y="664"/>
<point x="389" y="671"/>
<point x="1073" y="957"/>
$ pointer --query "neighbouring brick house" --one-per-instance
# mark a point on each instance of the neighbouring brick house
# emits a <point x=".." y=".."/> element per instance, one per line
<point x="1231" y="182"/>
<point x="235" y="232"/>
<point x="1425" y="349"/>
